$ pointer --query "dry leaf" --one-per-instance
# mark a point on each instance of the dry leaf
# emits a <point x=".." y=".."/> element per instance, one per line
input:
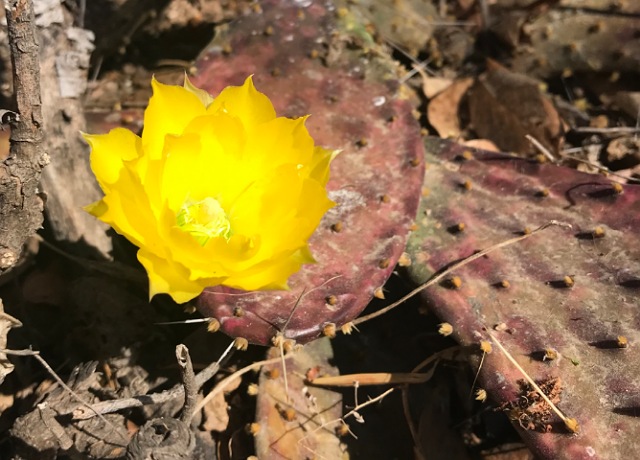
<point x="432" y="85"/>
<point x="623" y="155"/>
<point x="293" y="417"/>
<point x="505" y="106"/>
<point x="443" y="109"/>
<point x="6" y="402"/>
<point x="482" y="144"/>
<point x="628" y="102"/>
<point x="7" y="322"/>
<point x="380" y="378"/>
<point x="5" y="132"/>
<point x="625" y="151"/>
<point x="216" y="417"/>
<point x="436" y="437"/>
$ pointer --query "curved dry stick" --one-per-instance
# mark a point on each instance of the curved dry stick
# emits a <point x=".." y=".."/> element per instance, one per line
<point x="405" y="393"/>
<point x="223" y="383"/>
<point x="454" y="267"/>
<point x="188" y="381"/>
<point x="571" y="423"/>
<point x="107" y="407"/>
<point x="56" y="377"/>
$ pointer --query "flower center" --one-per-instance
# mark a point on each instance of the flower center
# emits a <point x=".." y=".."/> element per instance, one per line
<point x="204" y="220"/>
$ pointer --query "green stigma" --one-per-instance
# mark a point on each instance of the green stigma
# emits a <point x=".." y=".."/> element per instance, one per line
<point x="204" y="220"/>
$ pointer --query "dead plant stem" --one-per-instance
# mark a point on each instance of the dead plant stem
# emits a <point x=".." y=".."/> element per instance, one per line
<point x="188" y="382"/>
<point x="435" y="279"/>
<point x="223" y="383"/>
<point x="570" y="423"/>
<point x="353" y="412"/>
<point x="56" y="377"/>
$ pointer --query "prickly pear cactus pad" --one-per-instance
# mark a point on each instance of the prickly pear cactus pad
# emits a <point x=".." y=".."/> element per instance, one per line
<point x="304" y="57"/>
<point x="564" y="302"/>
<point x="292" y="412"/>
<point x="562" y="38"/>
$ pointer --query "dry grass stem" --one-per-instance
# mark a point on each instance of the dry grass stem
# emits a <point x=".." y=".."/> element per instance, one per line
<point x="570" y="423"/>
<point x="381" y="378"/>
<point x="223" y="383"/>
<point x="437" y="278"/>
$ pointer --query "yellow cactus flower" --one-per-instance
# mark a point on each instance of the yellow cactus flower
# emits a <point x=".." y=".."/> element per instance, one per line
<point x="215" y="192"/>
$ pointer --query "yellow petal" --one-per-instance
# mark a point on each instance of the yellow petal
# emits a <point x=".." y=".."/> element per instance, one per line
<point x="275" y="143"/>
<point x="109" y="152"/>
<point x="181" y="155"/>
<point x="269" y="202"/>
<point x="218" y="168"/>
<point x="129" y="213"/>
<point x="319" y="167"/>
<point x="218" y="192"/>
<point x="272" y="274"/>
<point x="170" y="110"/>
<point x="167" y="277"/>
<point x="215" y="259"/>
<point x="204" y="97"/>
<point x="230" y="257"/>
<point x="96" y="209"/>
<point x="314" y="202"/>
<point x="244" y="102"/>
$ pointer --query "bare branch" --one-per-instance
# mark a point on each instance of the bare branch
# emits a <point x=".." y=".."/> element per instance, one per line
<point x="20" y="204"/>
<point x="107" y="407"/>
<point x="188" y="382"/>
<point x="56" y="377"/>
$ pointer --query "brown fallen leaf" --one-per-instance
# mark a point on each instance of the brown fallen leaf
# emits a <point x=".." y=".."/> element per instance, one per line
<point x="7" y="322"/>
<point x="216" y="416"/>
<point x="628" y="102"/>
<point x="505" y="106"/>
<point x="482" y="144"/>
<point x="436" y="437"/>
<point x="46" y="285"/>
<point x="623" y="153"/>
<point x="291" y="414"/>
<point x="442" y="112"/>
<point x="432" y="85"/>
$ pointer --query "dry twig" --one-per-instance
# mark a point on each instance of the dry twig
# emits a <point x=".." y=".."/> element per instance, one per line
<point x="570" y="423"/>
<point x="353" y="412"/>
<point x="107" y="407"/>
<point x="435" y="279"/>
<point x="447" y="353"/>
<point x="74" y="395"/>
<point x="223" y="383"/>
<point x="188" y="381"/>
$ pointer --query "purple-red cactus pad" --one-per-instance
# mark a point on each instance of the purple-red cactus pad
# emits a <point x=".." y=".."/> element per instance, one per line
<point x="566" y="299"/>
<point x="304" y="57"/>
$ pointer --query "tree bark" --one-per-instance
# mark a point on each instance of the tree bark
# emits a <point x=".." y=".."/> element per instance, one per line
<point x="20" y="203"/>
<point x="68" y="181"/>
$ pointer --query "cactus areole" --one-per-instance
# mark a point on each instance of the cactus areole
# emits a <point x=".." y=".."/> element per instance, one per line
<point x="564" y="302"/>
<point x="304" y="66"/>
